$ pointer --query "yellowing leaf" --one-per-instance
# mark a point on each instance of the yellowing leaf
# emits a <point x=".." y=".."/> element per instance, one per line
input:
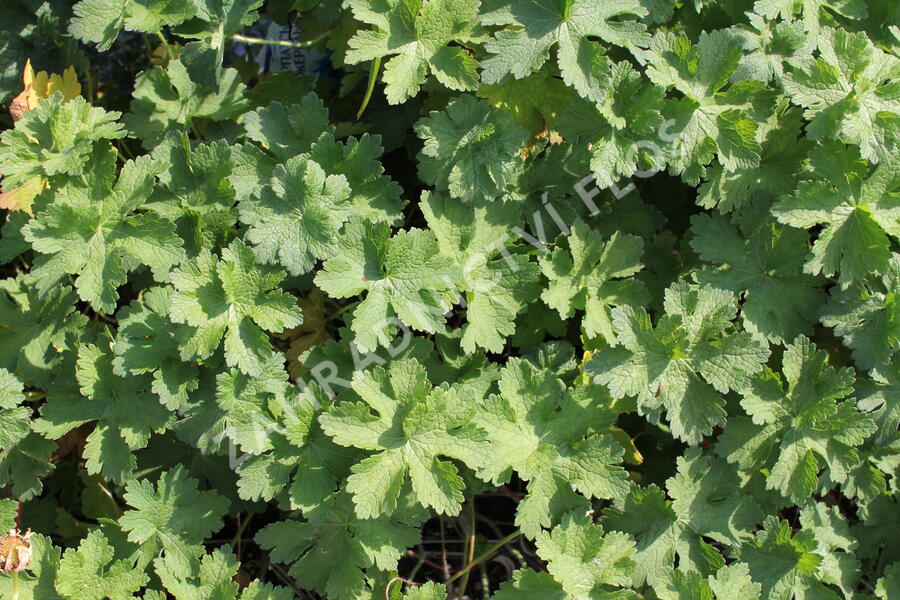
<point x="23" y="196"/>
<point x="44" y="85"/>
<point x="38" y="86"/>
<point x="531" y="102"/>
<point x="41" y="85"/>
<point x="632" y="455"/>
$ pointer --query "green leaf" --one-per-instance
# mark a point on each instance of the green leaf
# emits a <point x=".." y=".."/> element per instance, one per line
<point x="570" y="26"/>
<point x="551" y="437"/>
<point x="212" y="577"/>
<point x="373" y="195"/>
<point x="91" y="573"/>
<point x="124" y="409"/>
<point x="710" y="497"/>
<point x="287" y="131"/>
<point x="470" y="149"/>
<point x="418" y="35"/>
<point x="497" y="284"/>
<point x="685" y="363"/>
<point x="195" y="193"/>
<point x="9" y="509"/>
<point x="55" y="138"/>
<point x="406" y="279"/>
<point x="235" y="299"/>
<point x="661" y="536"/>
<point x="796" y="421"/>
<point x="783" y="152"/>
<point x="837" y="546"/>
<point x="729" y="582"/>
<point x="763" y="262"/>
<point x="24" y="455"/>
<point x="172" y="516"/>
<point x="168" y="99"/>
<point x="713" y="118"/>
<point x="33" y="329"/>
<point x="303" y="128"/>
<point x="875" y="396"/>
<point x="621" y="129"/>
<point x="98" y="21"/>
<point x="252" y="404"/>
<point x="849" y="92"/>
<point x="412" y="427"/>
<point x="266" y="591"/>
<point x="12" y="244"/>
<point x="147" y="342"/>
<point x="91" y="230"/>
<point x="888" y="586"/>
<point x="878" y="529"/>
<point x="858" y="210"/>
<point x="592" y="274"/>
<point x="587" y="562"/>
<point x="214" y="22"/>
<point x="303" y="462"/>
<point x="530" y="585"/>
<point x="221" y="18"/>
<point x="768" y="45"/>
<point x="152" y="15"/>
<point x="811" y="11"/>
<point x="332" y="549"/>
<point x="533" y="102"/>
<point x="297" y="218"/>
<point x="867" y="317"/>
<point x="785" y="565"/>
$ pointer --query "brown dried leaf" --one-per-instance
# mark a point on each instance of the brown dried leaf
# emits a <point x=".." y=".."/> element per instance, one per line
<point x="308" y="335"/>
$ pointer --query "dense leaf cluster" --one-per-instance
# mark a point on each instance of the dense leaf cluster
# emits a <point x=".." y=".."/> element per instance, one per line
<point x="516" y="299"/>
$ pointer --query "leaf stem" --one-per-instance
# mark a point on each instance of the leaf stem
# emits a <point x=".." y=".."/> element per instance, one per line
<point x="387" y="588"/>
<point x="196" y="130"/>
<point x="89" y="82"/>
<point x="370" y="86"/>
<point x="340" y="311"/>
<point x="470" y="556"/>
<point x="169" y="54"/>
<point x="420" y="560"/>
<point x="444" y="565"/>
<point x="486" y="555"/>
<point x="242" y="525"/>
<point x="285" y="43"/>
<point x="123" y="149"/>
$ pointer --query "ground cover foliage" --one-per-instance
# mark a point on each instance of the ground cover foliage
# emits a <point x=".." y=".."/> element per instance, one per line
<point x="499" y="299"/>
